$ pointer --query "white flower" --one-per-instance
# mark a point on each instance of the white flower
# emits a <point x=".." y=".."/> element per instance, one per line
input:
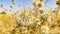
<point x="24" y="18"/>
<point x="45" y="29"/>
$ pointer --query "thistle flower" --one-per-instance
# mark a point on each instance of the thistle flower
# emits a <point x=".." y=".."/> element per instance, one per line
<point x="38" y="3"/>
<point x="25" y="19"/>
<point x="1" y="5"/>
<point x="45" y="29"/>
<point x="13" y="1"/>
<point x="11" y="6"/>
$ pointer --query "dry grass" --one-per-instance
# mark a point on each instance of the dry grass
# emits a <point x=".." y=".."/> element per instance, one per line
<point x="29" y="21"/>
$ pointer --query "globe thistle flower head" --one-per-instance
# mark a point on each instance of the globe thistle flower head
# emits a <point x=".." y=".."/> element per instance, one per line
<point x="38" y="3"/>
<point x="58" y="2"/>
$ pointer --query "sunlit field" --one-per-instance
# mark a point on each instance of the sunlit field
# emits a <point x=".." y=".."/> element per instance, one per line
<point x="36" y="20"/>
